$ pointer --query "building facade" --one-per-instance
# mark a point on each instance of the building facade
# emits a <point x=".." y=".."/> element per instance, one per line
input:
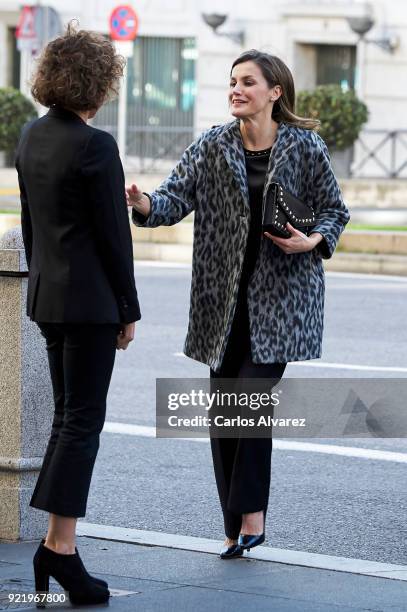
<point x="179" y="72"/>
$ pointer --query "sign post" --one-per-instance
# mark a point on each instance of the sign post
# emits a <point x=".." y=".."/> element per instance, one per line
<point x="123" y="30"/>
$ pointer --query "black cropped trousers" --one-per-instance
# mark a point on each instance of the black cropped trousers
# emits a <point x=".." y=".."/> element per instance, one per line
<point x="81" y="359"/>
<point x="242" y="465"/>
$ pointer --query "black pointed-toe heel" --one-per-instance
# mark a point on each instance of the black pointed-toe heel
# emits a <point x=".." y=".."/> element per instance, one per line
<point x="99" y="581"/>
<point x="71" y="574"/>
<point x="246" y="542"/>
<point x="231" y="552"/>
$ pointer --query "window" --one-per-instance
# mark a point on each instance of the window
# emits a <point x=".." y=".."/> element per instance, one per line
<point x="336" y="64"/>
<point x="161" y="92"/>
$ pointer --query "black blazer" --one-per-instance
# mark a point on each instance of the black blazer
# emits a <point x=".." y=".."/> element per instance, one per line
<point x="75" y="224"/>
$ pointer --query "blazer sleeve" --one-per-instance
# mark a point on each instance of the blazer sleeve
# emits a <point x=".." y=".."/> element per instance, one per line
<point x="331" y="213"/>
<point x="104" y="179"/>
<point x="175" y="197"/>
<point x="26" y="226"/>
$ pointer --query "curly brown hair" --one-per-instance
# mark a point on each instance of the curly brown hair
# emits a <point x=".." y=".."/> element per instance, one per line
<point x="79" y="71"/>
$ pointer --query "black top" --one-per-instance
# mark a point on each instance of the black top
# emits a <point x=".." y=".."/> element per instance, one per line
<point x="256" y="169"/>
<point x="75" y="223"/>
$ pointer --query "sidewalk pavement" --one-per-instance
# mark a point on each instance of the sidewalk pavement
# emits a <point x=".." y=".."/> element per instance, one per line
<point x="10" y="193"/>
<point x="9" y="180"/>
<point x="156" y="578"/>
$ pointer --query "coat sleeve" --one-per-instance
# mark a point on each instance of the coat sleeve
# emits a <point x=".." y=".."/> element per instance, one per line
<point x="175" y="197"/>
<point x="331" y="213"/>
<point x="104" y="179"/>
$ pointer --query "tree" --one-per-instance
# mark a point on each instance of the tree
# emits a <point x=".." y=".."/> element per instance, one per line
<point x="15" y="111"/>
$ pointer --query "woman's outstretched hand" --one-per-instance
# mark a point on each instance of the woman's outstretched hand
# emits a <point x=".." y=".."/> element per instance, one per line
<point x="138" y="200"/>
<point x="298" y="241"/>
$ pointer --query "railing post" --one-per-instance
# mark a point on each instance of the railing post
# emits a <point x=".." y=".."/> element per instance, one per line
<point x="26" y="404"/>
<point x="393" y="173"/>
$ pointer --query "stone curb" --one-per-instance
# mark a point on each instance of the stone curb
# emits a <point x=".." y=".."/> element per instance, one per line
<point x="360" y="192"/>
<point x="174" y="244"/>
<point x="340" y="262"/>
<point x="361" y="567"/>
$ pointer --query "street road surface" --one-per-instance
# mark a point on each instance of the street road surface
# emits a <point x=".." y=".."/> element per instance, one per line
<point x="323" y="503"/>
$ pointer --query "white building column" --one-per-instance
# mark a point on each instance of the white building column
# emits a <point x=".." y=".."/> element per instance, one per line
<point x="3" y="54"/>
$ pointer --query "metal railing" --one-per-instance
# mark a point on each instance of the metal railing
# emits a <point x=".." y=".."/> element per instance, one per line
<point x="380" y="154"/>
<point x="151" y="148"/>
<point x="377" y="153"/>
<point x="155" y="139"/>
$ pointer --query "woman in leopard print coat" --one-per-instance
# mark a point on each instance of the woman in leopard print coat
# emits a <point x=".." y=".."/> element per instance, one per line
<point x="257" y="301"/>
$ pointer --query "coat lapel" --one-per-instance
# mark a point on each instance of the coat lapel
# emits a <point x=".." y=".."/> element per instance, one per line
<point x="280" y="152"/>
<point x="232" y="148"/>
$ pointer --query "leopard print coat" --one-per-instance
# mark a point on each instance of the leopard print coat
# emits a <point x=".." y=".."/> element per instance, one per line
<point x="285" y="292"/>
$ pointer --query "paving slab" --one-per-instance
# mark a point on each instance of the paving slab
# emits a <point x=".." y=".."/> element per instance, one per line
<point x="153" y="578"/>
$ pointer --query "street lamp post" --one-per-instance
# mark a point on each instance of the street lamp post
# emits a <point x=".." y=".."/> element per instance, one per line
<point x="361" y="26"/>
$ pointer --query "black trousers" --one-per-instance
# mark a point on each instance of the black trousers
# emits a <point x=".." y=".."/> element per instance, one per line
<point x="81" y="359"/>
<point x="242" y="465"/>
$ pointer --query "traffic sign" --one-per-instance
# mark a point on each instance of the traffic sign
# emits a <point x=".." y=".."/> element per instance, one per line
<point x="26" y="25"/>
<point x="123" y="23"/>
<point x="37" y="25"/>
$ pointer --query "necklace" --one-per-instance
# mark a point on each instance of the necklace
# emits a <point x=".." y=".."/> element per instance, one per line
<point x="261" y="153"/>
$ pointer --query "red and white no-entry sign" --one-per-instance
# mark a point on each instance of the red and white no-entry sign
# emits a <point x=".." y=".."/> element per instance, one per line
<point x="123" y="23"/>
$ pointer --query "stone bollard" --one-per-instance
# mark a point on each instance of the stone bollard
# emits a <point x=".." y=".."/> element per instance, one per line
<point x="26" y="404"/>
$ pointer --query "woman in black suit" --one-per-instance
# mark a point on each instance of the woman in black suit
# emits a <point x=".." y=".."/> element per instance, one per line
<point x="81" y="289"/>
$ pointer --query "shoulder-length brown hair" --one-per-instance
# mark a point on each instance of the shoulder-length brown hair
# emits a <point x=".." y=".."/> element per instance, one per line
<point x="276" y="72"/>
<point x="79" y="71"/>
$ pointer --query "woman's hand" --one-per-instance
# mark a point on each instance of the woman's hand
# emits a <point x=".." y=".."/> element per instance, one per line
<point x="125" y="336"/>
<point x="298" y="241"/>
<point x="138" y="200"/>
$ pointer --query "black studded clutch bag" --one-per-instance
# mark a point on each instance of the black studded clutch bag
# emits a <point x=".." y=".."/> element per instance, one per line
<point x="280" y="207"/>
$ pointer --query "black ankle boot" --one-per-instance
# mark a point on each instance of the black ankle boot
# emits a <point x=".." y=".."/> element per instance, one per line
<point x="99" y="581"/>
<point x="69" y="571"/>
